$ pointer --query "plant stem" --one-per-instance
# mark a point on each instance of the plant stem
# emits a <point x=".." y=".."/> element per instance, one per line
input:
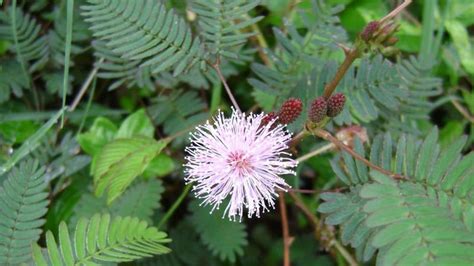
<point x="314" y="220"/>
<point x="88" y="106"/>
<point x="397" y="10"/>
<point x="344" y="252"/>
<point x="327" y="136"/>
<point x="286" y="231"/>
<point x="216" y="97"/>
<point x="67" y="52"/>
<point x="464" y="112"/>
<point x="323" y="149"/>
<point x="226" y="86"/>
<point x="175" y="205"/>
<point x="85" y="86"/>
<point x="262" y="44"/>
<point x="296" y="139"/>
<point x="351" y="56"/>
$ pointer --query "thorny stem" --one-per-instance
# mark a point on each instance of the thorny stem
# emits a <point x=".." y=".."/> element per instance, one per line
<point x="226" y="86"/>
<point x="175" y="205"/>
<point x="286" y="231"/>
<point x="327" y="136"/>
<point x="316" y="223"/>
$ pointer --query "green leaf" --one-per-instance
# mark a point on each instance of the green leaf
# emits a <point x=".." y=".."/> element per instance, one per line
<point x="17" y="131"/>
<point x="158" y="39"/>
<point x="139" y="200"/>
<point x="226" y="239"/>
<point x="102" y="131"/>
<point x="108" y="240"/>
<point x="23" y="203"/>
<point x="31" y="143"/>
<point x="460" y="36"/>
<point x="160" y="166"/>
<point x="120" y="162"/>
<point x="137" y="124"/>
<point x="451" y="132"/>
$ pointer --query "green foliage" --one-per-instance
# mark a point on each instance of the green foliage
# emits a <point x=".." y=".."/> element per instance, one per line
<point x="225" y="238"/>
<point x="102" y="239"/>
<point x="10" y="82"/>
<point x="425" y="218"/>
<point x="104" y="131"/>
<point x="139" y="200"/>
<point x="32" y="46"/>
<point x="23" y="203"/>
<point x="145" y="32"/>
<point x="153" y="62"/>
<point x="178" y="111"/>
<point x="31" y="143"/>
<point x="221" y="23"/>
<point x="295" y="53"/>
<point x="120" y="162"/>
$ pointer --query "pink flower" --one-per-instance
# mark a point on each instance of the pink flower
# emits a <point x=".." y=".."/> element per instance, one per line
<point x="240" y="158"/>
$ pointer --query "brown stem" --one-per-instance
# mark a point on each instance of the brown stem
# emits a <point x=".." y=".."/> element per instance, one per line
<point x="226" y="86"/>
<point x="303" y="191"/>
<point x="327" y="136"/>
<point x="85" y="85"/>
<point x="297" y="138"/>
<point x="334" y="245"/>
<point x="286" y="231"/>
<point x="351" y="56"/>
<point x="464" y="112"/>
<point x="309" y="214"/>
<point x="396" y="11"/>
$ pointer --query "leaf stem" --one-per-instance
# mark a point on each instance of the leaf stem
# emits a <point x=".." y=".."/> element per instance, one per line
<point x="175" y="205"/>
<point x="318" y="227"/>
<point x="226" y="86"/>
<point x="396" y="11"/>
<point x="321" y="150"/>
<point x="464" y="112"/>
<point x="85" y="86"/>
<point x="67" y="53"/>
<point x="327" y="136"/>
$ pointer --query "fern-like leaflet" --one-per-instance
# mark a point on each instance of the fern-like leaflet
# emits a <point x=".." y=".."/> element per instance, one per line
<point x="33" y="47"/>
<point x="23" y="203"/>
<point x="102" y="239"/>
<point x="221" y="22"/>
<point x="139" y="200"/>
<point x="10" y="82"/>
<point x="223" y="237"/>
<point x="144" y="31"/>
<point x="424" y="219"/>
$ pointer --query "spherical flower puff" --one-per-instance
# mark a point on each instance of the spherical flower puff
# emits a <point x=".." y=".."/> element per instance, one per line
<point x="241" y="158"/>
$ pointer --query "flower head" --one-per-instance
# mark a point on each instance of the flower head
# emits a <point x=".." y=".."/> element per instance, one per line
<point x="241" y="158"/>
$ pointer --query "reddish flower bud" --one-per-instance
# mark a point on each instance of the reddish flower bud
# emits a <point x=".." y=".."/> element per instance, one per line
<point x="336" y="104"/>
<point x="318" y="109"/>
<point x="290" y="110"/>
<point x="369" y="30"/>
